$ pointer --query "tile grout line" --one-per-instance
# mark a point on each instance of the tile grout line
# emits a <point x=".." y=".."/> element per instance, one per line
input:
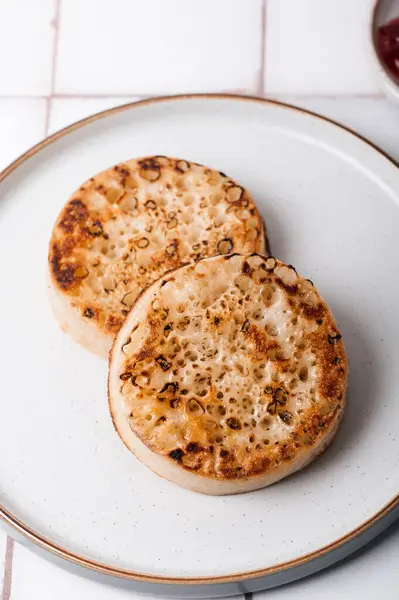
<point x="8" y="569"/>
<point x="98" y="96"/>
<point x="47" y="116"/>
<point x="237" y="91"/>
<point x="310" y="96"/>
<point x="261" y="77"/>
<point x="56" y="25"/>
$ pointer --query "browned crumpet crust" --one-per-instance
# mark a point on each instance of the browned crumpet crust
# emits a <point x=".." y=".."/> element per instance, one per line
<point x="228" y="374"/>
<point x="125" y="227"/>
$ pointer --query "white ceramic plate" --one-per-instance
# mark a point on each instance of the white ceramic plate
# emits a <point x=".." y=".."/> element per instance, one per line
<point x="330" y="201"/>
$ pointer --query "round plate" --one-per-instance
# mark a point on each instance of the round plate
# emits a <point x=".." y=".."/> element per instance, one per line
<point x="330" y="202"/>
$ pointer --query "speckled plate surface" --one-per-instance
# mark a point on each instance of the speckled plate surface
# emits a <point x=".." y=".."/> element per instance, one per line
<point x="66" y="481"/>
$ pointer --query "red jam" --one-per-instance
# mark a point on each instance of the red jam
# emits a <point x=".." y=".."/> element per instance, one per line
<point x="388" y="43"/>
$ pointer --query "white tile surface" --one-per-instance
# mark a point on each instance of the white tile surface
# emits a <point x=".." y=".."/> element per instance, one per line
<point x="318" y="46"/>
<point x="65" y="111"/>
<point x="22" y="123"/>
<point x="3" y="540"/>
<point x="371" y="574"/>
<point x="26" y="46"/>
<point x="157" y="47"/>
<point x="35" y="578"/>
<point x="375" y="118"/>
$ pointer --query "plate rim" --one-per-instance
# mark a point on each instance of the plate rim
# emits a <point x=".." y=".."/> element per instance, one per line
<point x="20" y="527"/>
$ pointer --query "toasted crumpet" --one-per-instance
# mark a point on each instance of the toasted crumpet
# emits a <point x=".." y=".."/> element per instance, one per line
<point x="228" y="374"/>
<point x="127" y="226"/>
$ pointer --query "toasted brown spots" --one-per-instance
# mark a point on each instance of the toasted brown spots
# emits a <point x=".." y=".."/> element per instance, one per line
<point x="245" y="326"/>
<point x="124" y="226"/>
<point x="171" y="249"/>
<point x="163" y="363"/>
<point x="246" y="269"/>
<point x="225" y="246"/>
<point x="80" y="272"/>
<point x="334" y="338"/>
<point x="64" y="273"/>
<point x="143" y="243"/>
<point x="182" y="166"/>
<point x="285" y="416"/>
<point x="172" y="223"/>
<point x="234" y="193"/>
<point x="167" y="329"/>
<point x="312" y="311"/>
<point x="176" y="454"/>
<point x="95" y="229"/>
<point x="149" y="169"/>
<point x="113" y="323"/>
<point x="194" y="406"/>
<point x="74" y="213"/>
<point x="270" y="263"/>
<point x="193" y="447"/>
<point x="125" y="376"/>
<point x="170" y="387"/>
<point x="150" y="205"/>
<point x="233" y="423"/>
<point x="275" y="386"/>
<point x="67" y="247"/>
<point x="262" y="343"/>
